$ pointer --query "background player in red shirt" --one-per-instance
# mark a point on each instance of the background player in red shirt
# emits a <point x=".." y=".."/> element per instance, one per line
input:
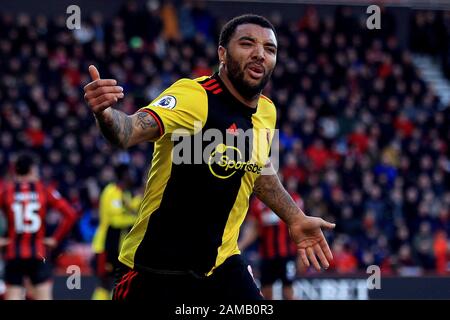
<point x="25" y="201"/>
<point x="276" y="249"/>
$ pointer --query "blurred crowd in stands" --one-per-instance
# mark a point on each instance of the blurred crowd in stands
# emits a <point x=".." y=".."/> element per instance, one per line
<point x="431" y="30"/>
<point x="362" y="135"/>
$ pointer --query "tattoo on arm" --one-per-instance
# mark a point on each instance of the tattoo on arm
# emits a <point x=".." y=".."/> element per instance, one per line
<point x="144" y="121"/>
<point x="269" y="190"/>
<point x="116" y="127"/>
<point x="123" y="127"/>
<point x="123" y="131"/>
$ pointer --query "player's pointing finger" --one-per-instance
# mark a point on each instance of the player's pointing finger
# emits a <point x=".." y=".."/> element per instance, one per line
<point x="95" y="75"/>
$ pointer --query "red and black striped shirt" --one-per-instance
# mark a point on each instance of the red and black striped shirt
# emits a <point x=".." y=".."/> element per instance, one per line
<point x="275" y="241"/>
<point x="25" y="205"/>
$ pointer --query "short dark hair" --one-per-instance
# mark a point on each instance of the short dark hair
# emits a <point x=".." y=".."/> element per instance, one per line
<point x="230" y="27"/>
<point x="23" y="164"/>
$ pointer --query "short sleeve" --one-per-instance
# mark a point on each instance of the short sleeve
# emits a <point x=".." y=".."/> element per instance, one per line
<point x="270" y="117"/>
<point x="264" y="121"/>
<point x="182" y="106"/>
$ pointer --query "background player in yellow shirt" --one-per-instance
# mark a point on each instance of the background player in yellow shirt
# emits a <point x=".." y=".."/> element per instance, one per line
<point x="117" y="213"/>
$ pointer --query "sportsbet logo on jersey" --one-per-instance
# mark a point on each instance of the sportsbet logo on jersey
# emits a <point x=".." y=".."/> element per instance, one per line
<point x="225" y="152"/>
<point x="227" y="166"/>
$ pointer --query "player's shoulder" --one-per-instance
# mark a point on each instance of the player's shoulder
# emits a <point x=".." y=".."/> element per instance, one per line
<point x="265" y="100"/>
<point x="188" y="84"/>
<point x="6" y="184"/>
<point x="267" y="107"/>
<point x="110" y="188"/>
<point x="203" y="79"/>
<point x="184" y="92"/>
<point x="43" y="186"/>
<point x="266" y="104"/>
<point x="110" y="191"/>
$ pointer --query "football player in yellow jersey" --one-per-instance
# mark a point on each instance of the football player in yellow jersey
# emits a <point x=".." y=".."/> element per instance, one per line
<point x="183" y="246"/>
<point x="117" y="214"/>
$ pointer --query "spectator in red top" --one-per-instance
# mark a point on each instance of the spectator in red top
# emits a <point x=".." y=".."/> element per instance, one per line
<point x="202" y="68"/>
<point x="25" y="202"/>
<point x="318" y="155"/>
<point x="440" y="249"/>
<point x="34" y="134"/>
<point x="359" y="139"/>
<point x="403" y="125"/>
<point x="344" y="260"/>
<point x="72" y="73"/>
<point x="385" y="69"/>
<point x="292" y="170"/>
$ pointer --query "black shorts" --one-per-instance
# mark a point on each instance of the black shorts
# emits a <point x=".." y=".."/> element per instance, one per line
<point x="36" y="270"/>
<point x="106" y="262"/>
<point x="231" y="281"/>
<point x="102" y="266"/>
<point x="275" y="269"/>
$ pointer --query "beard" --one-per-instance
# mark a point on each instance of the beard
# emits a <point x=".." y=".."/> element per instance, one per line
<point x="236" y="76"/>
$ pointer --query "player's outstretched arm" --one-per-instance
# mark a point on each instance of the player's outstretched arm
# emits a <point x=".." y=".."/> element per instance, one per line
<point x="118" y="128"/>
<point x="305" y="231"/>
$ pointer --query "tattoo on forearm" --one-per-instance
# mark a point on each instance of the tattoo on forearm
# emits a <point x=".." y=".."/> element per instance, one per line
<point x="269" y="190"/>
<point x="144" y="121"/>
<point x="116" y="128"/>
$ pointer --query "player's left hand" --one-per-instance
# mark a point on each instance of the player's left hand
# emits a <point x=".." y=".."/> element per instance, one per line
<point x="311" y="243"/>
<point x="50" y="242"/>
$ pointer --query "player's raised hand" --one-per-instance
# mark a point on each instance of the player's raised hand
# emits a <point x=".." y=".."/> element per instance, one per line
<point x="101" y="94"/>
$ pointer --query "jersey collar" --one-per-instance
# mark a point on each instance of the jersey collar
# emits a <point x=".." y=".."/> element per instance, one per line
<point x="226" y="94"/>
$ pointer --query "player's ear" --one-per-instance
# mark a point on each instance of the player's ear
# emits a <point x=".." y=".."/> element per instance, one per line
<point x="222" y="52"/>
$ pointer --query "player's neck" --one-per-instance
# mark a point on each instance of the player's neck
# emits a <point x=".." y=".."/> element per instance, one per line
<point x="252" y="103"/>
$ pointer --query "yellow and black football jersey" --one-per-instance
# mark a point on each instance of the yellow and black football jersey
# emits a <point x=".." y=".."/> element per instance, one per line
<point x="192" y="209"/>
